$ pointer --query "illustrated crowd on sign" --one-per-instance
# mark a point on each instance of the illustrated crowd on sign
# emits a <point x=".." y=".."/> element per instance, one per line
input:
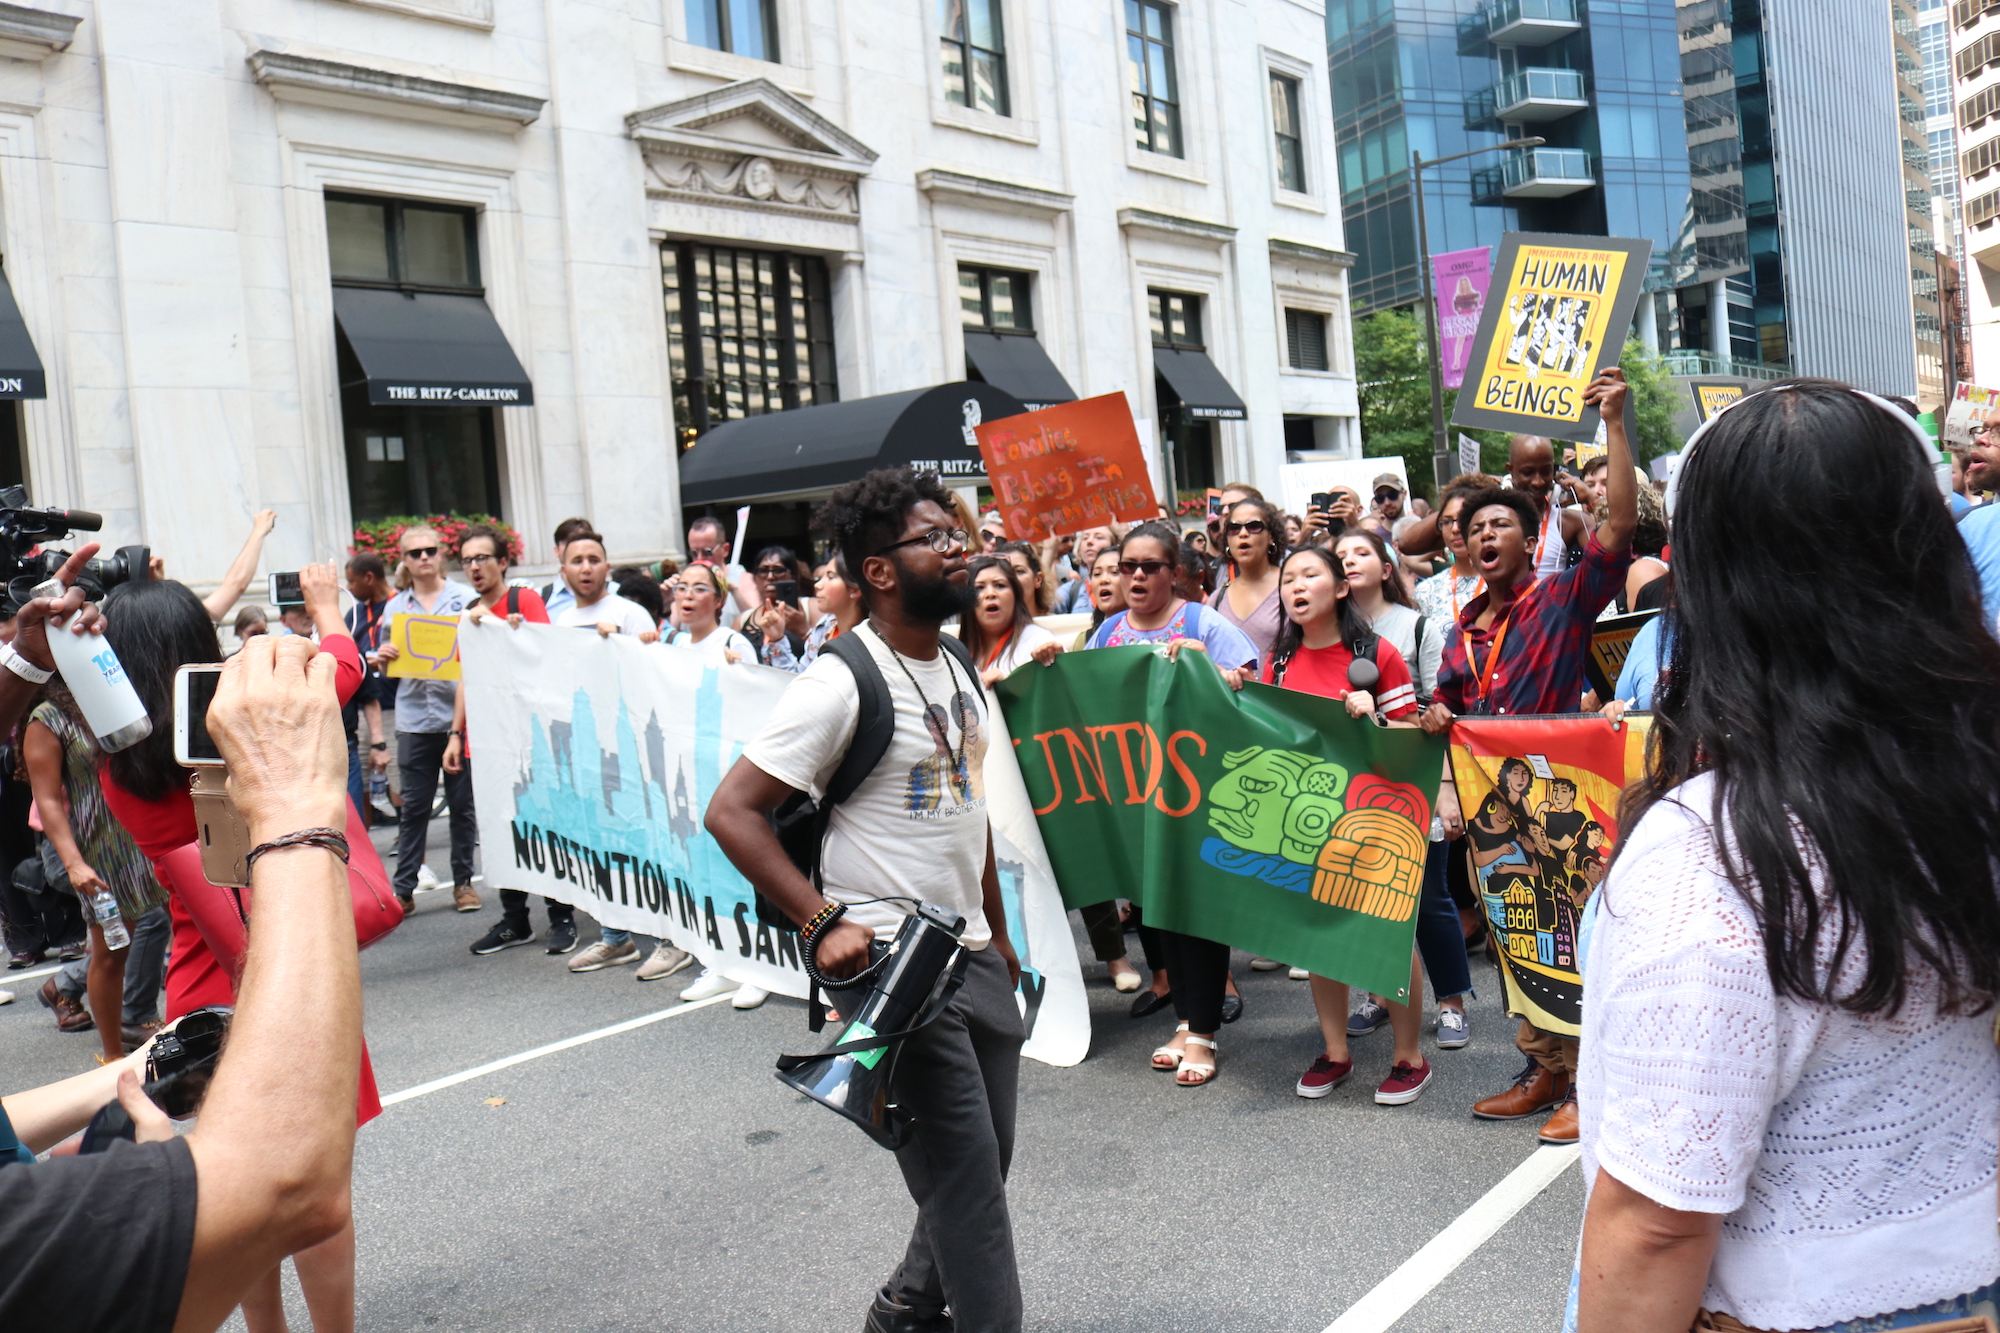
<point x="1547" y="333"/>
<point x="1538" y="859"/>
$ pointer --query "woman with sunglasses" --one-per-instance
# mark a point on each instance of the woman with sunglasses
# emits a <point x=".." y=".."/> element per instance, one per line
<point x="700" y="594"/>
<point x="1323" y="646"/>
<point x="1148" y="560"/>
<point x="999" y="629"/>
<point x="1253" y="545"/>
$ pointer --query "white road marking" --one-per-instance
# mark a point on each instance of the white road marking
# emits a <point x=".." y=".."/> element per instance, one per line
<point x="1395" y="1295"/>
<point x="480" y="1071"/>
<point x="31" y="973"/>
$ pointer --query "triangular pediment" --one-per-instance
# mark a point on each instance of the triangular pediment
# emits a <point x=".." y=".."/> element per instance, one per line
<point x="754" y="116"/>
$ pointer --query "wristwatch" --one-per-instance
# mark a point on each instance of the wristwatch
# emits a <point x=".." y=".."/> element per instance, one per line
<point x="22" y="667"/>
<point x="379" y="745"/>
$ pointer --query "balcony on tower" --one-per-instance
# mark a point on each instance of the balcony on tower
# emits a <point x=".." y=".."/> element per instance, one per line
<point x="1534" y="173"/>
<point x="1530" y="22"/>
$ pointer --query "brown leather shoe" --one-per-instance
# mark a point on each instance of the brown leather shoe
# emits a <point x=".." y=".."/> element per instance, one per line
<point x="1536" y="1090"/>
<point x="465" y="898"/>
<point x="1562" y="1126"/>
<point x="70" y="1016"/>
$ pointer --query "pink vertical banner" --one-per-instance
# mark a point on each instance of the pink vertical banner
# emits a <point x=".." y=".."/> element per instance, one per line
<point x="1459" y="279"/>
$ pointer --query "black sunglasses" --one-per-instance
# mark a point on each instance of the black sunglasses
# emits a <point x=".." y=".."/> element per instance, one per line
<point x="1252" y="526"/>
<point x="421" y="553"/>
<point x="1148" y="568"/>
<point x="1383" y="497"/>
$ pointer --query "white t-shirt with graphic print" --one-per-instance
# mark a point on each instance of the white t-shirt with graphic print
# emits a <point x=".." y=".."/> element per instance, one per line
<point x="916" y="827"/>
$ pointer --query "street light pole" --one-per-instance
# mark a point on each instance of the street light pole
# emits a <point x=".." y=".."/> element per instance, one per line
<point x="1440" y="468"/>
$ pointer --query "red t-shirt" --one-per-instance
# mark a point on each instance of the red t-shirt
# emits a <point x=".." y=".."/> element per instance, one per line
<point x="1324" y="671"/>
<point x="528" y="602"/>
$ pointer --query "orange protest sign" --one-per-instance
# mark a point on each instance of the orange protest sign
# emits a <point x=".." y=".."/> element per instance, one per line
<point x="1067" y="468"/>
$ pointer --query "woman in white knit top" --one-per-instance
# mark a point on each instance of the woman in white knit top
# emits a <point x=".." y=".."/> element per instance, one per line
<point x="1789" y="1090"/>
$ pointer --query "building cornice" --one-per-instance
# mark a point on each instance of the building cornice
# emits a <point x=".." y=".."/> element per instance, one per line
<point x="324" y="82"/>
<point x="958" y="186"/>
<point x="816" y="146"/>
<point x="1167" y="225"/>
<point x="1319" y="255"/>
<point x="34" y="34"/>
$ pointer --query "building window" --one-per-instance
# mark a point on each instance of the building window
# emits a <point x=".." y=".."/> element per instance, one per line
<point x="403" y="244"/>
<point x="745" y="27"/>
<point x="1290" y="135"/>
<point x="404" y="460"/>
<point x="749" y="332"/>
<point x="1176" y="319"/>
<point x="975" y="54"/>
<point x="1149" y="50"/>
<point x="1305" y="340"/>
<point x="994" y="300"/>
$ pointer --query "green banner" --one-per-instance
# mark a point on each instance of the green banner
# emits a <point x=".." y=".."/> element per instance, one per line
<point x="1268" y="819"/>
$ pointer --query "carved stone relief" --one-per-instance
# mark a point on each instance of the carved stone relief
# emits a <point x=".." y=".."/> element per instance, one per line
<point x="757" y="180"/>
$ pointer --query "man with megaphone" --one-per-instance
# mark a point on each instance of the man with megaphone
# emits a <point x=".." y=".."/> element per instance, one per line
<point x="885" y="732"/>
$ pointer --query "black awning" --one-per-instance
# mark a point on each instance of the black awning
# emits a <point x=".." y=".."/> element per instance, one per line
<point x="20" y="368"/>
<point x="818" y="448"/>
<point x="1016" y="362"/>
<point x="430" y="349"/>
<point x="1202" y="391"/>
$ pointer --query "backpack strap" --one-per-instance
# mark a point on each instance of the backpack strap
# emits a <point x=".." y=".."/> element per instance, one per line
<point x="875" y="721"/>
<point x="1417" y="667"/>
<point x="513" y="601"/>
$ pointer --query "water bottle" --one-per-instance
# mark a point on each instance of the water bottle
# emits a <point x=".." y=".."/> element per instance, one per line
<point x="105" y="908"/>
<point x="96" y="679"/>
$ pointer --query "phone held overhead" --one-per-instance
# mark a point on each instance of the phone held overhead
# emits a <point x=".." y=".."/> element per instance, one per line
<point x="219" y="828"/>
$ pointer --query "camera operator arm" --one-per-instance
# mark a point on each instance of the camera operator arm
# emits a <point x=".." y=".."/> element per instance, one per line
<point x="243" y="568"/>
<point x="738" y="819"/>
<point x="274" y="1150"/>
<point x="45" y="1116"/>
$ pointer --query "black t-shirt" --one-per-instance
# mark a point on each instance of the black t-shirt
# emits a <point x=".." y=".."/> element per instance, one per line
<point x="98" y="1242"/>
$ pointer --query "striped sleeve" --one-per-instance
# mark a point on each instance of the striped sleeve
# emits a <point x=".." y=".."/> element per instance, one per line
<point x="1395" y="694"/>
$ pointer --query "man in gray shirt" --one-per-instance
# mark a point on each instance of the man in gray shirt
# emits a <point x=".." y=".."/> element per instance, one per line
<point x="423" y="727"/>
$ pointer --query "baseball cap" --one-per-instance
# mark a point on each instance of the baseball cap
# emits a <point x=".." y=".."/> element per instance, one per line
<point x="1389" y="479"/>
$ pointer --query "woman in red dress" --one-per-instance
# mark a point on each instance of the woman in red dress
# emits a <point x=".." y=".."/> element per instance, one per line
<point x="161" y="627"/>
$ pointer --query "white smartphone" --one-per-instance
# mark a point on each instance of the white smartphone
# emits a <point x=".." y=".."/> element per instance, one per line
<point x="194" y="689"/>
<point x="285" y="591"/>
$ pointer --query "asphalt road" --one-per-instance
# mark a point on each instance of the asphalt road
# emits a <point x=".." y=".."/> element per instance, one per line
<point x="661" y="1179"/>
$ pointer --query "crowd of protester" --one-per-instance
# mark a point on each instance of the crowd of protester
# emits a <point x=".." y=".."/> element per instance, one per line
<point x="1827" y="937"/>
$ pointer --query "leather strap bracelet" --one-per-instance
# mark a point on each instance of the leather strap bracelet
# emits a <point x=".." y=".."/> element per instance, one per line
<point x="22" y="667"/>
<point x="327" y="839"/>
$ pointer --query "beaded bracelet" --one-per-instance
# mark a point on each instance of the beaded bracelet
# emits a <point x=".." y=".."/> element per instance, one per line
<point x="327" y="839"/>
<point x="822" y="919"/>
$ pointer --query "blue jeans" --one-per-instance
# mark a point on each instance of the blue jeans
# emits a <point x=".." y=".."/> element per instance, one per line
<point x="618" y="939"/>
<point x="356" y="792"/>
<point x="1440" y="938"/>
<point x="145" y="969"/>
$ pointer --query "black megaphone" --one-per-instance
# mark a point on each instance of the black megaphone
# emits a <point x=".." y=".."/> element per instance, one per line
<point x="915" y="976"/>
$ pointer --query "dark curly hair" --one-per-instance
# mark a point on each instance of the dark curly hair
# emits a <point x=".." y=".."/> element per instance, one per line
<point x="1518" y="501"/>
<point x="864" y="516"/>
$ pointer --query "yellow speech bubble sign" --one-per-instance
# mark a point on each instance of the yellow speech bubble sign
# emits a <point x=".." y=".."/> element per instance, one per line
<point x="427" y="647"/>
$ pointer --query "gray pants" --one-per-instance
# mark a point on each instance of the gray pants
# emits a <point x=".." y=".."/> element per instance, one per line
<point x="145" y="969"/>
<point x="959" y="1077"/>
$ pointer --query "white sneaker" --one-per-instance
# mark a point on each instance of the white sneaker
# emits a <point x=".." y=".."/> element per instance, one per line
<point x="1452" y="1030"/>
<point x="6" y="997"/>
<point x="1298" y="974"/>
<point x="1264" y="964"/>
<point x="426" y="879"/>
<point x="749" y="997"/>
<point x="707" y="984"/>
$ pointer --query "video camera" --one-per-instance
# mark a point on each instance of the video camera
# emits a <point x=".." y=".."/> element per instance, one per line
<point x="23" y="564"/>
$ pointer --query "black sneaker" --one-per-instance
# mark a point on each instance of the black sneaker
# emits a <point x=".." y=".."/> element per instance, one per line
<point x="503" y="936"/>
<point x="562" y="936"/>
<point x="885" y="1316"/>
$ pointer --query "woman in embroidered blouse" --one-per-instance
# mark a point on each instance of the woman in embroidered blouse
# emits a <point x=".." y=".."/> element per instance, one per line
<point x="1254" y="544"/>
<point x="1789" y="1080"/>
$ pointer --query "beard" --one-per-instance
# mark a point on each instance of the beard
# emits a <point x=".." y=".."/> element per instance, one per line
<point x="935" y="600"/>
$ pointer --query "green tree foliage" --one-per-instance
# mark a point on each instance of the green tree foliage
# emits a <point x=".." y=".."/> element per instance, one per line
<point x="1654" y="399"/>
<point x="1393" y="384"/>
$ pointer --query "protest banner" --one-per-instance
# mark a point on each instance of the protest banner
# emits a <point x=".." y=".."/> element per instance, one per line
<point x="1967" y="413"/>
<point x="1561" y="314"/>
<point x="1610" y="643"/>
<point x="1540" y="798"/>
<point x="1459" y="279"/>
<point x="1298" y="481"/>
<point x="1066" y="468"/>
<point x="1269" y="819"/>
<point x="1711" y="396"/>
<point x="1468" y="454"/>
<point x="592" y="763"/>
<point x="427" y="646"/>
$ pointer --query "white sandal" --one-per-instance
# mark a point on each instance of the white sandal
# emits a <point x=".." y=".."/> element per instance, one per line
<point x="1207" y="1071"/>
<point x="1170" y="1053"/>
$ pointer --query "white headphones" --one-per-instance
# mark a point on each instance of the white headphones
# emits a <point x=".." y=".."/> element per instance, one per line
<point x="1687" y="450"/>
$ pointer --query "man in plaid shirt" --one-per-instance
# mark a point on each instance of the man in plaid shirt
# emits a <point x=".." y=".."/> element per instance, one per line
<point x="1519" y="647"/>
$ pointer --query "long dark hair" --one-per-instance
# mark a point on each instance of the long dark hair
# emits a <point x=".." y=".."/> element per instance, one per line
<point x="156" y="627"/>
<point x="1355" y="631"/>
<point x="970" y="632"/>
<point x="1274" y="529"/>
<point x="1392" y="573"/>
<point x="1846" y="698"/>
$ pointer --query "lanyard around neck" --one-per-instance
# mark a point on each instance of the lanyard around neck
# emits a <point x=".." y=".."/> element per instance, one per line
<point x="999" y="648"/>
<point x="1492" y="656"/>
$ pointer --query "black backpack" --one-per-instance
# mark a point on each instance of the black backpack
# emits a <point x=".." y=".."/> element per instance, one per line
<point x="799" y="821"/>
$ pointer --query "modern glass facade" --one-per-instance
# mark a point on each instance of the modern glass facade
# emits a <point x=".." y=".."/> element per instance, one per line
<point x="1598" y="79"/>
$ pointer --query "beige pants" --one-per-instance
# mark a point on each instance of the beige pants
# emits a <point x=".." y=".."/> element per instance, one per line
<point x="1547" y="1049"/>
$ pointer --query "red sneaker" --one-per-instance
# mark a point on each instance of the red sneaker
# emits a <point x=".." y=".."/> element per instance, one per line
<point x="1404" y="1084"/>
<point x="1323" y="1077"/>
